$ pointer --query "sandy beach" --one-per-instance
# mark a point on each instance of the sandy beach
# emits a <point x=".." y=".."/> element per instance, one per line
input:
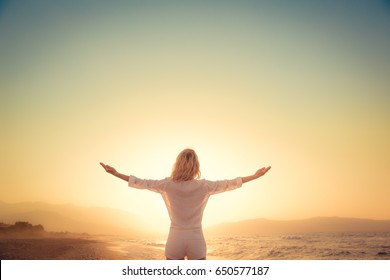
<point x="38" y="248"/>
<point x="78" y="247"/>
<point x="71" y="248"/>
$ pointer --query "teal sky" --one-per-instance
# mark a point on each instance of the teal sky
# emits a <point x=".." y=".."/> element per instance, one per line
<point x="300" y="85"/>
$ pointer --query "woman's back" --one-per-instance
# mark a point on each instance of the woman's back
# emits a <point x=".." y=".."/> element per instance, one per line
<point x="185" y="203"/>
<point x="185" y="200"/>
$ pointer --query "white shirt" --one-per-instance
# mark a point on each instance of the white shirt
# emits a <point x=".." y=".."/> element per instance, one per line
<point x="185" y="200"/>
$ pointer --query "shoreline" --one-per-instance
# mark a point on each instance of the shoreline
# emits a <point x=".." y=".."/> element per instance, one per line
<point x="102" y="247"/>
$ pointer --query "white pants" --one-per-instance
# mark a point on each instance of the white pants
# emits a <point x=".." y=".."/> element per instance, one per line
<point x="183" y="243"/>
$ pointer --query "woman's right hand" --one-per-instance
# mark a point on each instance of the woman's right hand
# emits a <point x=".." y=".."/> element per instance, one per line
<point x="257" y="174"/>
<point x="261" y="171"/>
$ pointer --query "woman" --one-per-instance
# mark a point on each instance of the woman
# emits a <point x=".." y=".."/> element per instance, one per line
<point x="185" y="196"/>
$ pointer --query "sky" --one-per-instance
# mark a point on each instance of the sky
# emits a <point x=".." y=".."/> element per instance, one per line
<point x="301" y="86"/>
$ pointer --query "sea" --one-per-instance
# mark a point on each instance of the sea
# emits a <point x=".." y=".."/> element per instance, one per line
<point x="308" y="246"/>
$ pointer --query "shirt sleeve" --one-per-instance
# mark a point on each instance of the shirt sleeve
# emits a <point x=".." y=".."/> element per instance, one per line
<point x="145" y="184"/>
<point x="214" y="187"/>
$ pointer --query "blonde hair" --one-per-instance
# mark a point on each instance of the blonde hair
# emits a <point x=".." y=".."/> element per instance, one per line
<point x="186" y="166"/>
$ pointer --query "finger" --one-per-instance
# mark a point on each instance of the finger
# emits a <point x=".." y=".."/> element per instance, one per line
<point x="266" y="169"/>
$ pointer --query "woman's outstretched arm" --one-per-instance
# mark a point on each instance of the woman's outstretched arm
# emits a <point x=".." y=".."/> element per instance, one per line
<point x="112" y="171"/>
<point x="258" y="174"/>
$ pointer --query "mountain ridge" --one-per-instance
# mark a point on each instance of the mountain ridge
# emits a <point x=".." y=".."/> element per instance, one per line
<point x="104" y="220"/>
<point x="314" y="224"/>
<point x="69" y="217"/>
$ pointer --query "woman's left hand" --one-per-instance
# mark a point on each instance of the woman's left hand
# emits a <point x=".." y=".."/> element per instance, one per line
<point x="109" y="169"/>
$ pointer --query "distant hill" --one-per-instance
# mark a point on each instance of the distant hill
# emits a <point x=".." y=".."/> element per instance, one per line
<point x="67" y="217"/>
<point x="320" y="224"/>
<point x="100" y="220"/>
